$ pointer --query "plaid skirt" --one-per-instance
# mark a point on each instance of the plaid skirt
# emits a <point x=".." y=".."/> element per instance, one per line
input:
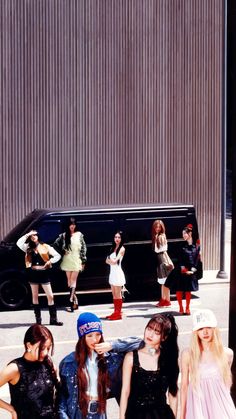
<point x="164" y="265"/>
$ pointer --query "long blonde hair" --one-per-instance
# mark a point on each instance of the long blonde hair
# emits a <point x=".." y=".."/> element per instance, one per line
<point x="218" y="352"/>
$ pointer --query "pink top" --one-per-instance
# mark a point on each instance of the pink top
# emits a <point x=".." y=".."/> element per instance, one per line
<point x="211" y="400"/>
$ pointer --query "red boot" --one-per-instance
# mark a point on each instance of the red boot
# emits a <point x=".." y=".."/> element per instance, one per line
<point x="117" y="313"/>
<point x="114" y="302"/>
<point x="188" y="299"/>
<point x="161" y="303"/>
<point x="179" y="296"/>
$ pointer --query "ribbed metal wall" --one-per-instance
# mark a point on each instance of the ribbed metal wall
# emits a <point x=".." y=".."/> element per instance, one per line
<point x="111" y="101"/>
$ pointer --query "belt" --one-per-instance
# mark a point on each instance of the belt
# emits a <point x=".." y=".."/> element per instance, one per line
<point x="38" y="268"/>
<point x="93" y="406"/>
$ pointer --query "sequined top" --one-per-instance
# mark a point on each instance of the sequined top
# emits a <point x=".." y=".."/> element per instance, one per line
<point x="33" y="395"/>
<point x="148" y="393"/>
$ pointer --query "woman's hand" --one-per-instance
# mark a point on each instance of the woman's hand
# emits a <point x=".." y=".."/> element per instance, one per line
<point x="108" y="260"/>
<point x="47" y="265"/>
<point x="103" y="347"/>
<point x="31" y="233"/>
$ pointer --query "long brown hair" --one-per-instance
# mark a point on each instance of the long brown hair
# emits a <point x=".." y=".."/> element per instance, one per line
<point x="154" y="235"/>
<point x="82" y="353"/>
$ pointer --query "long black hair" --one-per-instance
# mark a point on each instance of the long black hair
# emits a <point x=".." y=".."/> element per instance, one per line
<point x="71" y="221"/>
<point x="32" y="245"/>
<point x="39" y="333"/>
<point x="189" y="229"/>
<point x="113" y="246"/>
<point x="168" y="360"/>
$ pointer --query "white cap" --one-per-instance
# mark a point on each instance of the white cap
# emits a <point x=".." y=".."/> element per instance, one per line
<point x="203" y="318"/>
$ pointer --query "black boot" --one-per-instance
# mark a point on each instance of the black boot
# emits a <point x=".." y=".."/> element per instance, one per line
<point x="75" y="301"/>
<point x="53" y="316"/>
<point x="37" y="313"/>
<point x="71" y="302"/>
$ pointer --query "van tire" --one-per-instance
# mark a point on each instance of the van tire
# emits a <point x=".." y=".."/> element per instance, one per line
<point x="14" y="293"/>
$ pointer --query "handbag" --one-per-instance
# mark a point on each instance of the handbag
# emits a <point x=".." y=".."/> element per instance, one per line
<point x="199" y="272"/>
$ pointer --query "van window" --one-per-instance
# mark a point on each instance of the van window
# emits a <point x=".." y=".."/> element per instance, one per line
<point x="97" y="231"/>
<point x="49" y="230"/>
<point x="141" y="228"/>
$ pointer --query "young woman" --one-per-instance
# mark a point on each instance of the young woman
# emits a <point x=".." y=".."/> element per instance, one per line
<point x="152" y="371"/>
<point x="205" y="372"/>
<point x="38" y="260"/>
<point x="32" y="378"/>
<point x="72" y="246"/>
<point x="188" y="261"/>
<point x="116" y="277"/>
<point x="164" y="263"/>
<point x="88" y="375"/>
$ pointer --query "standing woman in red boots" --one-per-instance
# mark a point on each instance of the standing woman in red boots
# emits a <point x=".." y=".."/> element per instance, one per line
<point x="39" y="258"/>
<point x="187" y="280"/>
<point x="164" y="263"/>
<point x="116" y="277"/>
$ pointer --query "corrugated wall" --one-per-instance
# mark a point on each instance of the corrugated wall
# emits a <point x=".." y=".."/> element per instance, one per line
<point x="111" y="101"/>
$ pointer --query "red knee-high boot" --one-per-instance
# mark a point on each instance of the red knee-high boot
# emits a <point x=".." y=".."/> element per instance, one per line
<point x="179" y="296"/>
<point x="114" y="302"/>
<point x="188" y="299"/>
<point x="117" y="314"/>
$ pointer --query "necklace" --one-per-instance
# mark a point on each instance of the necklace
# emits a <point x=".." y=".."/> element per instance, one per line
<point x="152" y="351"/>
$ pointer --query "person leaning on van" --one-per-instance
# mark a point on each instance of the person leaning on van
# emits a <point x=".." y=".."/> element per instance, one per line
<point x="72" y="247"/>
<point x="39" y="258"/>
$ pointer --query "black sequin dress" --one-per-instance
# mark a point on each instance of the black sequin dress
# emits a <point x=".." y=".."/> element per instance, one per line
<point x="147" y="398"/>
<point x="33" y="396"/>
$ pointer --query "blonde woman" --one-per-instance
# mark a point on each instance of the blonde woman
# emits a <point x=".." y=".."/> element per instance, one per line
<point x="164" y="263"/>
<point x="206" y="372"/>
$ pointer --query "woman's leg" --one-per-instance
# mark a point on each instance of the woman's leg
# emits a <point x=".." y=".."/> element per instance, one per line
<point x="35" y="301"/>
<point x="166" y="294"/>
<point x="35" y="293"/>
<point x="72" y="280"/>
<point x="188" y="299"/>
<point x="179" y="296"/>
<point x="117" y="299"/>
<point x="52" y="308"/>
<point x="116" y="292"/>
<point x="48" y="291"/>
<point x="68" y="275"/>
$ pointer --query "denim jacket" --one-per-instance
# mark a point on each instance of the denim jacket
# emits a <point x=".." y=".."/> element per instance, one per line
<point x="68" y="407"/>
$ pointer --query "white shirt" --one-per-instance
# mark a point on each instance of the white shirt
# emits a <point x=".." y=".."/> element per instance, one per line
<point x="92" y="375"/>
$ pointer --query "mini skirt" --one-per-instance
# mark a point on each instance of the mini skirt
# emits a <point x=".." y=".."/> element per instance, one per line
<point x="35" y="276"/>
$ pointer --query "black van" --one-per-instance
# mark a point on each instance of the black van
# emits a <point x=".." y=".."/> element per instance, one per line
<point x="98" y="226"/>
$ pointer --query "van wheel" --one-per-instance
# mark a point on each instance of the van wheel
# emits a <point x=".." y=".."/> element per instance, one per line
<point x="13" y="293"/>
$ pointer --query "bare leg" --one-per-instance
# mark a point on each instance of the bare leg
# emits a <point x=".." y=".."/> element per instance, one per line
<point x="68" y="275"/>
<point x="116" y="292"/>
<point x="166" y="293"/>
<point x="48" y="291"/>
<point x="35" y="293"/>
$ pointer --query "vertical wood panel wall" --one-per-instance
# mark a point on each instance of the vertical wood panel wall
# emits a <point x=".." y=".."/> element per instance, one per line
<point x="109" y="102"/>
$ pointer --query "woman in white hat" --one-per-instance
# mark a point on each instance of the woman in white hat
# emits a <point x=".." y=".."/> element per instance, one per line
<point x="206" y="372"/>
